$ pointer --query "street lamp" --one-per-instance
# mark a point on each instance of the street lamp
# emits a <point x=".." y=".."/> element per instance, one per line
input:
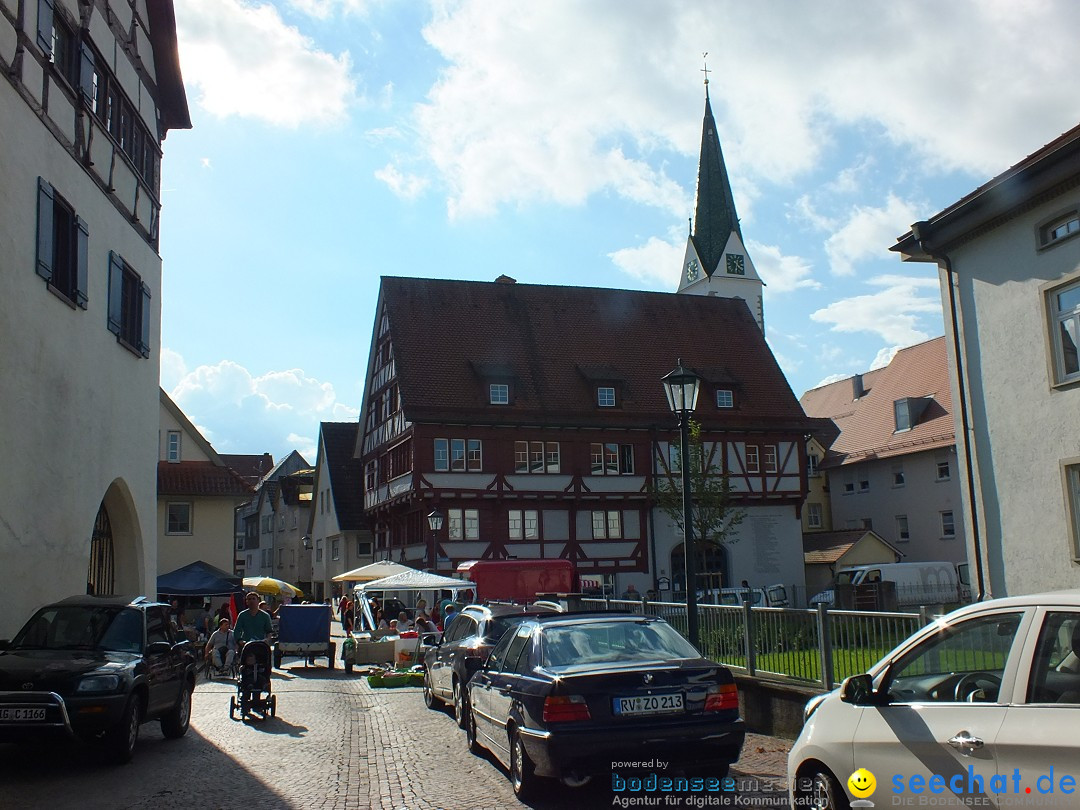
<point x="434" y="521"/>
<point x="681" y="387"/>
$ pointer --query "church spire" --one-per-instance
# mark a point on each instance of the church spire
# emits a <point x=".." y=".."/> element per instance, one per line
<point x="715" y="218"/>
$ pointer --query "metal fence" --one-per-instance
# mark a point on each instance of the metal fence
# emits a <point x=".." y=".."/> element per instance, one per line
<point x="815" y="645"/>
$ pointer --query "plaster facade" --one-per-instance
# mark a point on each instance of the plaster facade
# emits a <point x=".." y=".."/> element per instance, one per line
<point x="78" y="407"/>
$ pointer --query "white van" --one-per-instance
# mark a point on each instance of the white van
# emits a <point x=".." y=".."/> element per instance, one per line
<point x="769" y="596"/>
<point x="917" y="583"/>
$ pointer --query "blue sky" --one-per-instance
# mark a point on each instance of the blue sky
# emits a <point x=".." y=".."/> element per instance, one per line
<point x="337" y="141"/>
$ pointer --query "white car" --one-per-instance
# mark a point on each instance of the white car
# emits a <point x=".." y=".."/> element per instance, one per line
<point x="982" y="705"/>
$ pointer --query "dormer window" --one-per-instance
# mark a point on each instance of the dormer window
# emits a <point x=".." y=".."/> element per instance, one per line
<point x="1059" y="228"/>
<point x="907" y="412"/>
<point x="725" y="398"/>
<point x="605" y="396"/>
<point x="499" y="394"/>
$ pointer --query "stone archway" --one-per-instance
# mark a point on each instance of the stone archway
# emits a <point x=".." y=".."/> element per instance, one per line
<point x="713" y="570"/>
<point x="101" y="576"/>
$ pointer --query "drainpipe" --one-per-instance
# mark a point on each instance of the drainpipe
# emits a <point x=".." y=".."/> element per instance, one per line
<point x="919" y="231"/>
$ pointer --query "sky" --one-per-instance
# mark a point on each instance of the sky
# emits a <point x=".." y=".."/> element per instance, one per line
<point x="338" y="141"/>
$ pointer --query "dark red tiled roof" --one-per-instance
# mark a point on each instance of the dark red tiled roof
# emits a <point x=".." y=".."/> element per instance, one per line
<point x="868" y="425"/>
<point x="251" y="468"/>
<point x="346" y="474"/>
<point x="828" y="547"/>
<point x="556" y="340"/>
<point x="199" y="478"/>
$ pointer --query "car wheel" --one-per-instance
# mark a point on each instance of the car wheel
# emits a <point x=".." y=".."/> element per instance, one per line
<point x="522" y="775"/>
<point x="821" y="791"/>
<point x="461" y="704"/>
<point x="470" y="734"/>
<point x="430" y="700"/>
<point x="175" y="724"/>
<point x="120" y="739"/>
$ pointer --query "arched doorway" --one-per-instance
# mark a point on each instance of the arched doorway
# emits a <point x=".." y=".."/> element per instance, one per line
<point x="712" y="567"/>
<point x="101" y="575"/>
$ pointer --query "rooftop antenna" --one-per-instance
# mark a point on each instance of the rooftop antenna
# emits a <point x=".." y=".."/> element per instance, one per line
<point x="706" y="71"/>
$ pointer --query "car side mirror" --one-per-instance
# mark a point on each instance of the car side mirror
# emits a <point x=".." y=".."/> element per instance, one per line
<point x="858" y="690"/>
<point x="158" y="648"/>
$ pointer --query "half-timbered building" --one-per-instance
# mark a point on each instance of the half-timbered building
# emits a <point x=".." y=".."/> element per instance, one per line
<point x="533" y="417"/>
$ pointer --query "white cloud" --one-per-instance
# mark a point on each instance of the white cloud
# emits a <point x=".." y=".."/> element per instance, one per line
<point x="779" y="272"/>
<point x="655" y="262"/>
<point x="512" y="120"/>
<point x="171" y="368"/>
<point x="324" y="9"/>
<point x="239" y="412"/>
<point x="868" y="233"/>
<point x="246" y="61"/>
<point x="406" y="186"/>
<point x="894" y="313"/>
<point x="884" y="357"/>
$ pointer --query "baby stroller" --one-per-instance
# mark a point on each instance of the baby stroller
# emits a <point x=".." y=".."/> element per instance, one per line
<point x="253" y="688"/>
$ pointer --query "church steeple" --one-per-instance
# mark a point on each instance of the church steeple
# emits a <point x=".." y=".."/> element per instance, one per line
<point x="716" y="261"/>
<point x="715" y="218"/>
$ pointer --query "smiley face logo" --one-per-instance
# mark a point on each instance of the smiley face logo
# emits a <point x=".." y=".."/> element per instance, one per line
<point x="862" y="784"/>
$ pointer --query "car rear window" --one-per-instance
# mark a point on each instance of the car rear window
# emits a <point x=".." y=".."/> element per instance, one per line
<point x="499" y="625"/>
<point x="82" y="627"/>
<point x="586" y="644"/>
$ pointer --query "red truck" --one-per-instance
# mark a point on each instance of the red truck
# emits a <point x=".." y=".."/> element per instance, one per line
<point x="518" y="580"/>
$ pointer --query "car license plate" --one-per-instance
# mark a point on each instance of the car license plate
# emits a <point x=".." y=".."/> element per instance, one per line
<point x="21" y="715"/>
<point x="648" y="704"/>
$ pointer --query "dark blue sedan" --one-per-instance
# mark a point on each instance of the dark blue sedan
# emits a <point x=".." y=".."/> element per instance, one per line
<point x="570" y="696"/>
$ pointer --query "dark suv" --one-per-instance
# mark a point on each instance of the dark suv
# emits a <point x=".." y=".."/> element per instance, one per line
<point x="96" y="668"/>
<point x="466" y="642"/>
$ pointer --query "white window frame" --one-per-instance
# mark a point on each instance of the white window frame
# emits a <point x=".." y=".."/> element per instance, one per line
<point x="948" y="527"/>
<point x="442" y="455"/>
<point x="172" y="446"/>
<point x="1059" y="320"/>
<point x="605" y="396"/>
<point x="499" y="394"/>
<point x="814" y="516"/>
<point x="903" y="530"/>
<point x="769" y="458"/>
<point x="472" y="524"/>
<point x="335" y="549"/>
<point x="725" y="398"/>
<point x="752" y="460"/>
<point x="455" y="524"/>
<point x="190" y="517"/>
<point x="1070" y="475"/>
<point x="898" y="476"/>
<point x="948" y="470"/>
<point x="599" y="525"/>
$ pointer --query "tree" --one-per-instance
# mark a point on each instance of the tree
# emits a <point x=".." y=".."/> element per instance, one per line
<point x="714" y="514"/>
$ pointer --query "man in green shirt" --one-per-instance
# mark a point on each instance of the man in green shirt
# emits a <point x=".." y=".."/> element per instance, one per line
<point x="253" y="624"/>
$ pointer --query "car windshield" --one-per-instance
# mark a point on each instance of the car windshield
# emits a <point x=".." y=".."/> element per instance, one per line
<point x="845" y="577"/>
<point x="82" y="627"/>
<point x="615" y="642"/>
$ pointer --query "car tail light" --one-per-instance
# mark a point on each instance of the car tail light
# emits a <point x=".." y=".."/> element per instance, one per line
<point x="565" y="709"/>
<point x="722" y="697"/>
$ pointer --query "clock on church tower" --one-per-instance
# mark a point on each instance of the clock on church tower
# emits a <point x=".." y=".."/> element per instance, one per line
<point x="736" y="264"/>
<point x="692" y="270"/>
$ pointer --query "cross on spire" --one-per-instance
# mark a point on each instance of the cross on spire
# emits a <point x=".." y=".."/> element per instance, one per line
<point x="706" y="70"/>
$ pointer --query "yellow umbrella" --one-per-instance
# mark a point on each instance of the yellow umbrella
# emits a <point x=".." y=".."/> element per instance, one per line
<point x="272" y="587"/>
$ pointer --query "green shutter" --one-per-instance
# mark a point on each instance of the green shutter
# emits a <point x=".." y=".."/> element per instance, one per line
<point x="45" y="236"/>
<point x="82" y="237"/>
<point x="45" y="26"/>
<point x="144" y="332"/>
<point x="116" y="293"/>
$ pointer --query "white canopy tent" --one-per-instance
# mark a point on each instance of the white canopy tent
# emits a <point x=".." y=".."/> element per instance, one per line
<point x="410" y="580"/>
<point x="413" y="580"/>
<point x="375" y="570"/>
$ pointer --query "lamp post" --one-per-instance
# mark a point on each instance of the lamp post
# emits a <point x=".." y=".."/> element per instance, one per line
<point x="435" y="521"/>
<point x="681" y="387"/>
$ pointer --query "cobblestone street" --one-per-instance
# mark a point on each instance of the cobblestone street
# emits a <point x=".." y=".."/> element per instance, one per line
<point x="335" y="743"/>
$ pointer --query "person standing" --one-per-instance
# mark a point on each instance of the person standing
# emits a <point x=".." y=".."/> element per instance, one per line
<point x="253" y="624"/>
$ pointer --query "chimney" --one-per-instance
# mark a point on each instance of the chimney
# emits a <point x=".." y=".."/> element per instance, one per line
<point x="857" y="390"/>
<point x="505" y="279"/>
